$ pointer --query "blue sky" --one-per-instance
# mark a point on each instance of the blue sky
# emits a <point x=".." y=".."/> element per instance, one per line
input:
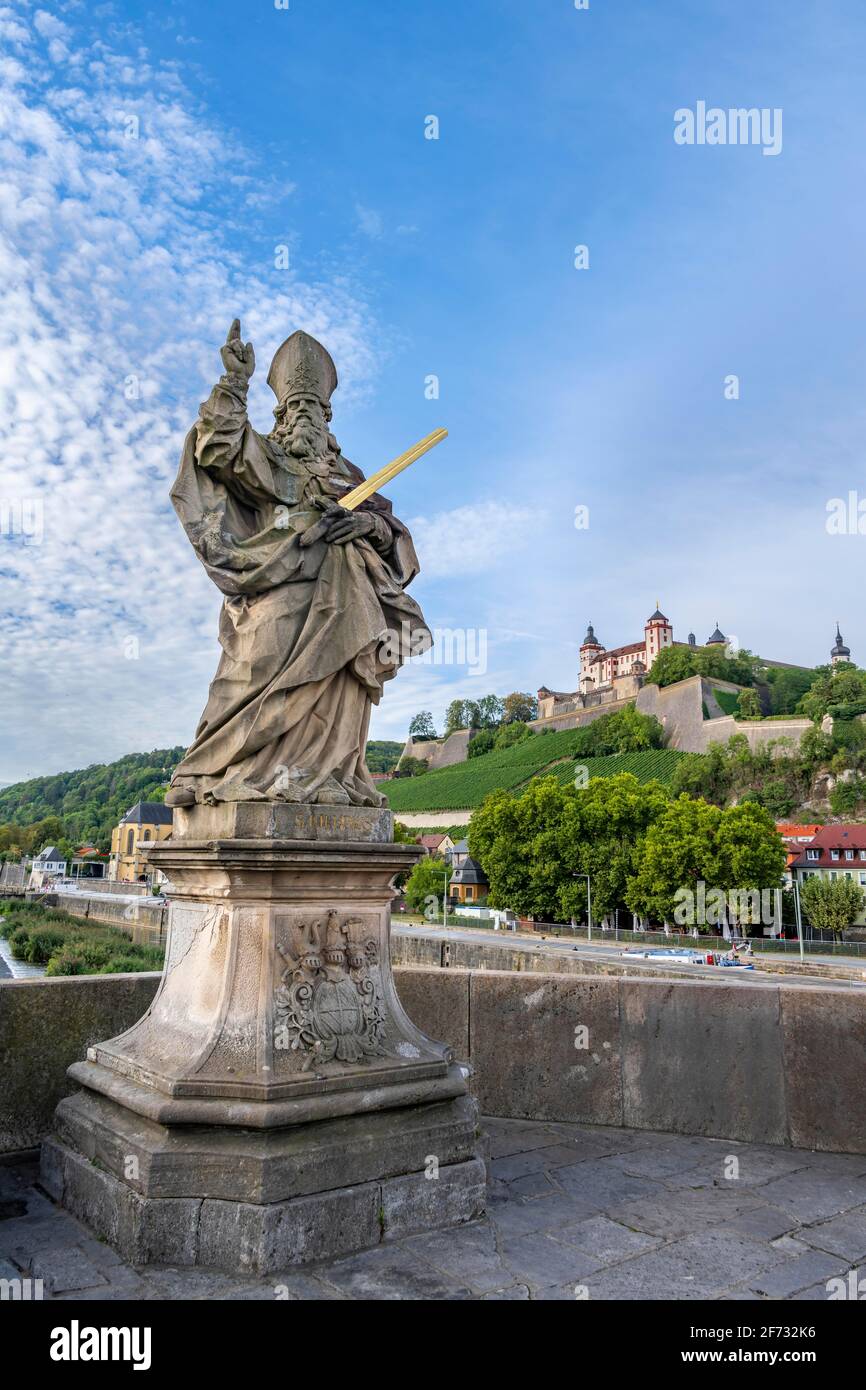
<point x="124" y="260"/>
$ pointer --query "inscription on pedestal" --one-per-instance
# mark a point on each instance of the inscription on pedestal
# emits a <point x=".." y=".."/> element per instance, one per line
<point x="259" y="820"/>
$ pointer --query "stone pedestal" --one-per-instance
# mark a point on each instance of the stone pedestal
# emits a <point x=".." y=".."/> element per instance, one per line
<point x="275" y="1104"/>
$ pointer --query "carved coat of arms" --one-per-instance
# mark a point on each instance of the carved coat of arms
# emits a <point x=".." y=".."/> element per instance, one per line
<point x="328" y="1004"/>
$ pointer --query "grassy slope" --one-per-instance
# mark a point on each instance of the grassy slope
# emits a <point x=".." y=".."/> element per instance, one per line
<point x="465" y="785"/>
<point x="727" y="699"/>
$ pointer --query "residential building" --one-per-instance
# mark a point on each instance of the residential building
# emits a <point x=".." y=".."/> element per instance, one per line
<point x="436" y="843"/>
<point x="48" y="864"/>
<point x="468" y="883"/>
<point x="835" y="851"/>
<point x="794" y="837"/>
<point x="798" y="834"/>
<point x="458" y="854"/>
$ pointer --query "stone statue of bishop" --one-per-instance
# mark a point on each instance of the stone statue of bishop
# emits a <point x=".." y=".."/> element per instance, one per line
<point x="302" y="624"/>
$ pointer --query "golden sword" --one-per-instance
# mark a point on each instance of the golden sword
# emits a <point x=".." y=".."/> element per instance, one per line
<point x="352" y="499"/>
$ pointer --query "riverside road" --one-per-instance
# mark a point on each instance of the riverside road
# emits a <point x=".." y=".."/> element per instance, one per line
<point x="612" y="953"/>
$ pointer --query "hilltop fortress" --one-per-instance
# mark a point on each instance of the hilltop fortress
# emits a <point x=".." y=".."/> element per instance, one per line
<point x="613" y="677"/>
<point x="617" y="673"/>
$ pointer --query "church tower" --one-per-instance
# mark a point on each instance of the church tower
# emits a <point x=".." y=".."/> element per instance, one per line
<point x="658" y="633"/>
<point x="839" y="652"/>
<point x="590" y="648"/>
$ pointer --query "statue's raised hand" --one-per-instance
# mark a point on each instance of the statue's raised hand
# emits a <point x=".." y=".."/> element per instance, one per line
<point x="238" y="357"/>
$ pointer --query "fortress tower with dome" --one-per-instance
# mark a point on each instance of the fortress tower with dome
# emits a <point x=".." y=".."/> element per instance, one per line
<point x="610" y="674"/>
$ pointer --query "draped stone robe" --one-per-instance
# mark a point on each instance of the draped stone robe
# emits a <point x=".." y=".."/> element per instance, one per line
<point x="301" y="629"/>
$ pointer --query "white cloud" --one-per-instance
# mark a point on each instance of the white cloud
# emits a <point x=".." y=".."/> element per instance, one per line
<point x="473" y="539"/>
<point x="369" y="221"/>
<point x="121" y="266"/>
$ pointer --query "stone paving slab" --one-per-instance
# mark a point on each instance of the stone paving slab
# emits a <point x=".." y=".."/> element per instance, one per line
<point x="791" y="1276"/>
<point x="843" y="1235"/>
<point x="573" y="1212"/>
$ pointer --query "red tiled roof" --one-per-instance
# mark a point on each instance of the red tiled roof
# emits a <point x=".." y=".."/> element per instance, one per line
<point x="830" y="837"/>
<point x="619" y="651"/>
<point x="794" y="832"/>
<point x="431" y="841"/>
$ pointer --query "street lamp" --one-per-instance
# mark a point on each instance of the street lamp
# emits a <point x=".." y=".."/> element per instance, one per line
<point x="588" y="906"/>
<point x="798" y="914"/>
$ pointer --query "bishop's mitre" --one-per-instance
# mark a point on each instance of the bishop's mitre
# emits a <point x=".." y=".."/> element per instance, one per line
<point x="302" y="367"/>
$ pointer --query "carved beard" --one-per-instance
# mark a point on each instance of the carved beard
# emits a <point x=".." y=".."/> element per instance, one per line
<point x="305" y="437"/>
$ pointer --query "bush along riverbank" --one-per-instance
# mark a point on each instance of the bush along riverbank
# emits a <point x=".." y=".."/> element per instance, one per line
<point x="68" y="945"/>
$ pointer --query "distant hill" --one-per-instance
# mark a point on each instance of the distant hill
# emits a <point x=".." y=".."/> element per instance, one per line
<point x="91" y="800"/>
<point x="463" y="786"/>
<point x="383" y="755"/>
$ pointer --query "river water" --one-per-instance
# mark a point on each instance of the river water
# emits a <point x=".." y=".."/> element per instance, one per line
<point x="16" y="969"/>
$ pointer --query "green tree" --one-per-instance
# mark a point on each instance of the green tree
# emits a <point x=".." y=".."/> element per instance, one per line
<point x="508" y="734"/>
<point x="603" y="831"/>
<point x="778" y="798"/>
<point x="483" y="742"/>
<point x="422" y="725"/>
<point x="704" y="774"/>
<point x="832" y="904"/>
<point x="471" y="714"/>
<point x="816" y="748"/>
<point x="846" y="796"/>
<point x="426" y="883"/>
<point x="519" y="707"/>
<point x="46" y="832"/>
<point x="748" y="704"/>
<point x="383" y="754"/>
<point x="679" y="663"/>
<point x="626" y="731"/>
<point x="749" y="849"/>
<point x="455" y="716"/>
<point x="694" y="842"/>
<point x="532" y="846"/>
<point x="490" y="710"/>
<point x="787" y="687"/>
<point x="833" y="685"/>
<point x="517" y="841"/>
<point x="678" y="852"/>
<point x="411" y="767"/>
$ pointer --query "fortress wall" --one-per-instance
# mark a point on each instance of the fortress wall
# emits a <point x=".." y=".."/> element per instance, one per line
<point x="439" y="752"/>
<point x="761" y="734"/>
<point x="679" y="710"/>
<point x="575" y="719"/>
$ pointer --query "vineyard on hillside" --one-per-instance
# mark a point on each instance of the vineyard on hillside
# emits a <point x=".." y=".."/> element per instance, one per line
<point x="465" y="785"/>
<point x="655" y="765"/>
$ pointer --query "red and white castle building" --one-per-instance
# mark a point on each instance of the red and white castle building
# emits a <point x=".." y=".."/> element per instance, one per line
<point x="601" y="668"/>
<point x="612" y="674"/>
